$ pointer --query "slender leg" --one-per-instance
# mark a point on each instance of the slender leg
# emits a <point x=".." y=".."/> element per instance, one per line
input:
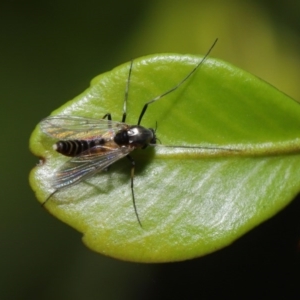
<point x="126" y="93"/>
<point x="132" y="190"/>
<point x="50" y="196"/>
<point x="108" y="116"/>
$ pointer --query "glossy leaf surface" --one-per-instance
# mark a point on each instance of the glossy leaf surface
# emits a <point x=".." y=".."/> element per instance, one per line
<point x="191" y="201"/>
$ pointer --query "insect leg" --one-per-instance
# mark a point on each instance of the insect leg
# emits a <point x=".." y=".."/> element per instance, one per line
<point x="177" y="85"/>
<point x="126" y="93"/>
<point x="132" y="190"/>
<point x="50" y="196"/>
<point x="108" y="116"/>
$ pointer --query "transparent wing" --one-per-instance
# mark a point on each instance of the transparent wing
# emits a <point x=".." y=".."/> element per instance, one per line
<point x="72" y="127"/>
<point x="87" y="164"/>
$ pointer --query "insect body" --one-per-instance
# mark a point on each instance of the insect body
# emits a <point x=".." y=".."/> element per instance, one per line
<point x="127" y="137"/>
<point x="95" y="144"/>
<point x="107" y="142"/>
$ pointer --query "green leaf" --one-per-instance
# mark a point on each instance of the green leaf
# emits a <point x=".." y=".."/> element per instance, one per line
<point x="191" y="201"/>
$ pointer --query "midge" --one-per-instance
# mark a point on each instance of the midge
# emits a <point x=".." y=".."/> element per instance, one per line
<point x="94" y="145"/>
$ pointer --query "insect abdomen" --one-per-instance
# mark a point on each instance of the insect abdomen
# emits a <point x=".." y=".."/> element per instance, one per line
<point x="76" y="147"/>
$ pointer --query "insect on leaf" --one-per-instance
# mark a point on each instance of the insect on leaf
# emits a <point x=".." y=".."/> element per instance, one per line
<point x="191" y="200"/>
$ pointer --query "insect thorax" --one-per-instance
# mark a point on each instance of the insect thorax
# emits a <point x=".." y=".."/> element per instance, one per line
<point x="135" y="136"/>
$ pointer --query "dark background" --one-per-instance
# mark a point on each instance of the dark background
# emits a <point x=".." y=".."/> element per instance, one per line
<point x="49" y="51"/>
